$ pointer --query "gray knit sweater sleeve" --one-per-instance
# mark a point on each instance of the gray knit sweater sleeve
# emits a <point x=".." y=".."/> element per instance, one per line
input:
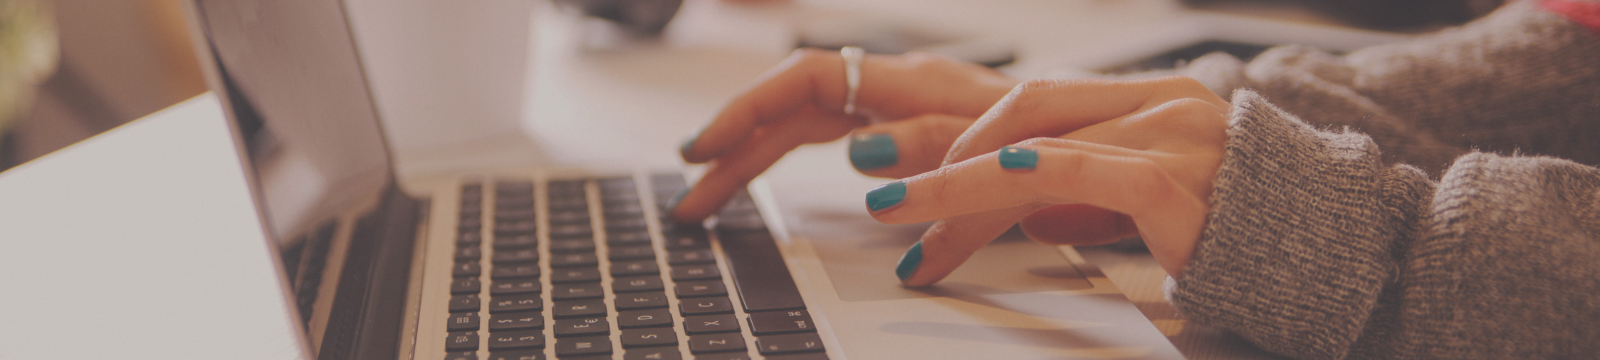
<point x="1321" y="245"/>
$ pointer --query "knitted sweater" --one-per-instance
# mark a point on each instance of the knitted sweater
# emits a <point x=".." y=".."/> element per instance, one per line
<point x="1322" y="243"/>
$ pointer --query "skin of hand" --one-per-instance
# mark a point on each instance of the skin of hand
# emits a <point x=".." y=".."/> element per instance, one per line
<point x="1110" y="159"/>
<point x="924" y="101"/>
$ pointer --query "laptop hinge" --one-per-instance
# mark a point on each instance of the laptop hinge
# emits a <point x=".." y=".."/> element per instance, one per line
<point x="368" y="312"/>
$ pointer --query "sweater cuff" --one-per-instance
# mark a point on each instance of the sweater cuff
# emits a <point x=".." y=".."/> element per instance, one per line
<point x="1297" y="245"/>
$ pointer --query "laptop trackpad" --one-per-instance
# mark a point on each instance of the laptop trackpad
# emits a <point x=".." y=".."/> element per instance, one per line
<point x="860" y="254"/>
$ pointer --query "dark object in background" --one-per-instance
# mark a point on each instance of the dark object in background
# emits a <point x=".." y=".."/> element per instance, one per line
<point x="878" y="36"/>
<point x="1177" y="58"/>
<point x="642" y="17"/>
<point x="1389" y="14"/>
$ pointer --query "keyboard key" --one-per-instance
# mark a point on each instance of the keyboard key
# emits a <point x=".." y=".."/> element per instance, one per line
<point x="516" y="256"/>
<point x="465" y="285"/>
<point x="513" y="303"/>
<point x="461" y="341"/>
<point x="638" y="338"/>
<point x="470" y="253"/>
<point x="462" y="322"/>
<point x="789" y="343"/>
<point x="759" y="272"/>
<point x="567" y="245"/>
<point x="514" y="271"/>
<point x="628" y="238"/>
<point x="710" y="343"/>
<point x="777" y="322"/>
<point x="469" y="268"/>
<point x="570" y="217"/>
<point x="634" y="267"/>
<point x="517" y="355"/>
<point x="463" y="355"/>
<point x="644" y="319"/>
<point x="690" y="289"/>
<point x="636" y="301"/>
<point x="465" y="303"/>
<point x="577" y="292"/>
<point x="567" y="231"/>
<point x="655" y="353"/>
<point x="596" y="345"/>
<point x="695" y="272"/>
<point x="579" y="308"/>
<point x="516" y="340"/>
<point x="623" y="209"/>
<point x="523" y="214"/>
<point x="469" y="238"/>
<point x="515" y="286"/>
<point x="627" y="223"/>
<point x="687" y="237"/>
<point x="707" y="324"/>
<point x="582" y="327"/>
<point x="636" y="283"/>
<point x="575" y="259"/>
<point x="635" y="252"/>
<point x="515" y="321"/>
<point x="515" y="227"/>
<point x="568" y="204"/>
<point x="575" y="275"/>
<point x="518" y="241"/>
<point x="686" y="257"/>
<point x="705" y="306"/>
<point x="800" y="356"/>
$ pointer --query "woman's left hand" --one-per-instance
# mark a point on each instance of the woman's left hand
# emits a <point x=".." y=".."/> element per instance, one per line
<point x="1076" y="162"/>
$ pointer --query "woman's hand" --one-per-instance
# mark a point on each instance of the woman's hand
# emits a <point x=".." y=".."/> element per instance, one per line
<point x="1076" y="162"/>
<point x="925" y="102"/>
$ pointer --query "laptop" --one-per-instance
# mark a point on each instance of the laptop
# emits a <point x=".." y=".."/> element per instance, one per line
<point x="575" y="263"/>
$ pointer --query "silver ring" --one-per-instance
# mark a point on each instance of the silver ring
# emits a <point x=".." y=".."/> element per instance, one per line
<point x="852" y="75"/>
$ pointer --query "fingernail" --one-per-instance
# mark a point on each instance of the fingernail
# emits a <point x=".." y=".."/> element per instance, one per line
<point x="886" y="196"/>
<point x="672" y="204"/>
<point x="909" y="262"/>
<point x="1012" y="157"/>
<point x="688" y="144"/>
<point x="873" y="151"/>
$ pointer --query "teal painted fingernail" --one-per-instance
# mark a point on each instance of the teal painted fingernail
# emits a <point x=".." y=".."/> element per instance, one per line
<point x="873" y="151"/>
<point x="1012" y="157"/>
<point x="909" y="262"/>
<point x="677" y="198"/>
<point x="688" y="144"/>
<point x="886" y="196"/>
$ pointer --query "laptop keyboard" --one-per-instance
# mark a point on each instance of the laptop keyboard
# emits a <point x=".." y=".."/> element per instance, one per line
<point x="604" y="288"/>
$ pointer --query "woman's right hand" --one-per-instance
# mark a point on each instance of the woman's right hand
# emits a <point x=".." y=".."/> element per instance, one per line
<point x="922" y="103"/>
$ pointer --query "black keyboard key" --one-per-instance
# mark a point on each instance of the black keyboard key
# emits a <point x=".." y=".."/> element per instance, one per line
<point x="566" y="204"/>
<point x="516" y="256"/>
<point x="518" y="241"/>
<point x="582" y="327"/>
<point x="566" y="231"/>
<point x="567" y="245"/>
<point x="471" y="253"/>
<point x="579" y="308"/>
<point x="515" y="227"/>
<point x="512" y="340"/>
<point x="515" y="321"/>
<point x="725" y="356"/>
<point x="686" y="257"/>
<point x="695" y="272"/>
<point x="644" y="319"/>
<point x="789" y="343"/>
<point x="759" y="272"/>
<point x="465" y="285"/>
<point x="570" y="217"/>
<point x="513" y="303"/>
<point x="634" y="267"/>
<point x="634" y="252"/>
<point x="462" y="322"/>
<point x="687" y="237"/>
<point x="623" y="209"/>
<point x="462" y="355"/>
<point x="625" y="224"/>
<point x="461" y="341"/>
<point x="654" y="353"/>
<point x="575" y="275"/>
<point x="595" y="345"/>
<point x="514" y="271"/>
<point x="628" y="238"/>
<point x="638" y="338"/>
<point x="778" y="322"/>
<point x="710" y="343"/>
<point x="707" y="324"/>
<point x="577" y="292"/>
<point x="574" y="259"/>
<point x="465" y="303"/>
<point x="636" y="283"/>
<point x="517" y="355"/>
<point x="469" y="238"/>
<point x="522" y="214"/>
<point x="690" y="289"/>
<point x="705" y="306"/>
<point x="515" y="286"/>
<point x="469" y="268"/>
<point x="636" y="301"/>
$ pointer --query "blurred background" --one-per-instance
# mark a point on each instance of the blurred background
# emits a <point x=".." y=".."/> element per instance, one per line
<point x="70" y="69"/>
